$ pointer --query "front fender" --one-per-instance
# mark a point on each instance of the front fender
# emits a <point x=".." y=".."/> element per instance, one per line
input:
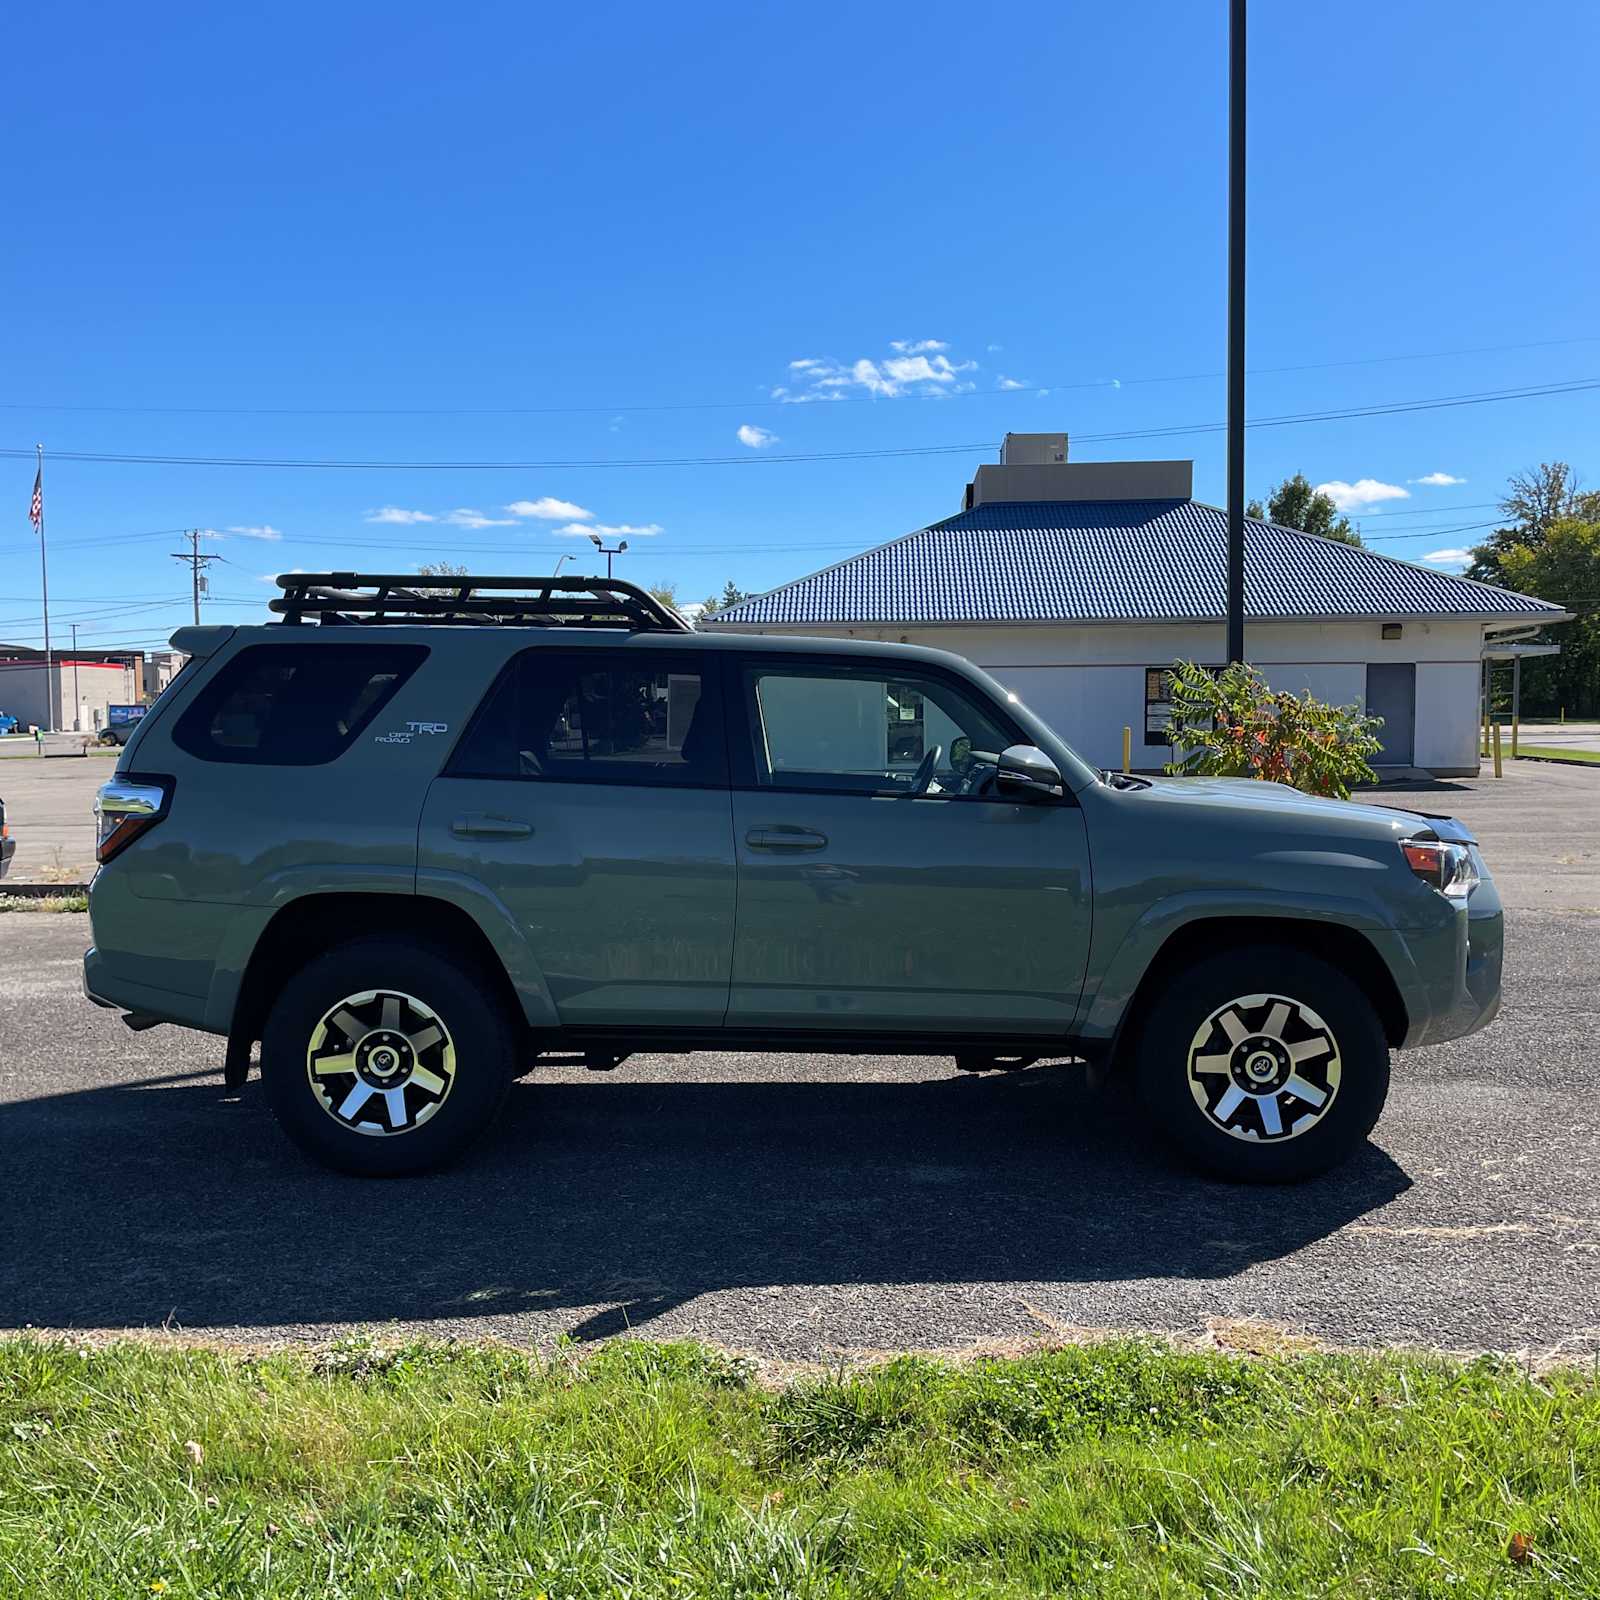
<point x="1114" y="981"/>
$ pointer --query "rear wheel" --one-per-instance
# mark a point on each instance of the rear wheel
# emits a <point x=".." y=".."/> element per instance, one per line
<point x="1263" y="1065"/>
<point x="386" y="1056"/>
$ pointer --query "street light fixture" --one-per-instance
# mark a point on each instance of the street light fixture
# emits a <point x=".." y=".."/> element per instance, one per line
<point x="599" y="544"/>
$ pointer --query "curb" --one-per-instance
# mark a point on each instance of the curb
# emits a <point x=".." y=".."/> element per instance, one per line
<point x="41" y="891"/>
<point x="1558" y="761"/>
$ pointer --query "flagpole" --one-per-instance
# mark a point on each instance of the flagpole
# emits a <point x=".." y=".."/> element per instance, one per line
<point x="44" y="591"/>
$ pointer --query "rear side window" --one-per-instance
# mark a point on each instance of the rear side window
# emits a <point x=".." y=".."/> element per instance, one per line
<point x="598" y="716"/>
<point x="293" y="705"/>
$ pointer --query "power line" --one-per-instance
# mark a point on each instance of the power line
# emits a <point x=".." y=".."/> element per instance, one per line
<point x="1012" y="388"/>
<point x="1443" y="402"/>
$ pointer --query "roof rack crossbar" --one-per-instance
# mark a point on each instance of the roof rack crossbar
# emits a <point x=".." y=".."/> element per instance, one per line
<point x="367" y="598"/>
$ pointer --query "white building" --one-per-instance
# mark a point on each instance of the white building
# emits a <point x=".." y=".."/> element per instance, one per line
<point x="75" y="694"/>
<point x="1076" y="585"/>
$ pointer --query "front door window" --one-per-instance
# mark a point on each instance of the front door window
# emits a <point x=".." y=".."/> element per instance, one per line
<point x="869" y="732"/>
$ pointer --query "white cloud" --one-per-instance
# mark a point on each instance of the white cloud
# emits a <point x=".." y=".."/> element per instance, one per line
<point x="398" y="515"/>
<point x="1010" y="383"/>
<point x="608" y="530"/>
<point x="918" y="366"/>
<point x="548" y="509"/>
<point x="1437" y="480"/>
<point x="1116" y="383"/>
<point x="272" y="577"/>
<point x="1449" y="558"/>
<point x="467" y="517"/>
<point x="994" y="349"/>
<point x="264" y="531"/>
<point x="756" y="438"/>
<point x="1361" y="494"/>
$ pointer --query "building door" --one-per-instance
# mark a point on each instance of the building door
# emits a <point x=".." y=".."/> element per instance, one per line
<point x="1392" y="695"/>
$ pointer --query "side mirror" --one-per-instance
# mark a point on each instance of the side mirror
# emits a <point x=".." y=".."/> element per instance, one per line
<point x="1024" y="769"/>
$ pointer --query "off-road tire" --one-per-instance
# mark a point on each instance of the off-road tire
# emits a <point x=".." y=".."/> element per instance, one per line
<point x="1170" y="1091"/>
<point x="427" y="988"/>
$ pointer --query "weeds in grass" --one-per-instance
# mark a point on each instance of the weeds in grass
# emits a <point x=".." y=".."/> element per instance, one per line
<point x="1119" y="1469"/>
<point x="48" y="902"/>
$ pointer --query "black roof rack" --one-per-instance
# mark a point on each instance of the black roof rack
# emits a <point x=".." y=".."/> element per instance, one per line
<point x="367" y="598"/>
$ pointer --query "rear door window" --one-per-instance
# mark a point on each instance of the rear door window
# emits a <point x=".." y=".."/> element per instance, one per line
<point x="293" y="705"/>
<point x="599" y="716"/>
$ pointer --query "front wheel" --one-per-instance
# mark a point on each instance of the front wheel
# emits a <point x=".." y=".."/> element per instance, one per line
<point x="384" y="1056"/>
<point x="1263" y="1065"/>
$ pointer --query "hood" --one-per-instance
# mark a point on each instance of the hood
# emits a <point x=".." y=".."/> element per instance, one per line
<point x="1278" y="799"/>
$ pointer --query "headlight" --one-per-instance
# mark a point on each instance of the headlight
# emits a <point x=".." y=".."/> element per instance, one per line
<point x="1449" y="868"/>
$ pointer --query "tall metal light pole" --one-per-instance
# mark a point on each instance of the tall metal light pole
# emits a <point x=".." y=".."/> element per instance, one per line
<point x="600" y="546"/>
<point x="77" y="704"/>
<point x="1236" y="169"/>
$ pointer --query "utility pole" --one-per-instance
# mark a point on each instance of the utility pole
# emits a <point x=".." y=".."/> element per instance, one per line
<point x="77" y="704"/>
<point x="197" y="565"/>
<point x="1236" y="171"/>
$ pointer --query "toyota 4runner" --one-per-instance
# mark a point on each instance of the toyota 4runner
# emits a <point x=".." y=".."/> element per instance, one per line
<point x="417" y="842"/>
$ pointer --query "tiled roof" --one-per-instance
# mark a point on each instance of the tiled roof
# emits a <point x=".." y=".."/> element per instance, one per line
<point x="1117" y="561"/>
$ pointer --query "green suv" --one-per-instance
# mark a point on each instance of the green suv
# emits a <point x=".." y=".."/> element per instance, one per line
<point x="417" y="842"/>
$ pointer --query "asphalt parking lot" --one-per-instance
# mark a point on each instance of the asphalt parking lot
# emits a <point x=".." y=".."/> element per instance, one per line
<point x="809" y="1206"/>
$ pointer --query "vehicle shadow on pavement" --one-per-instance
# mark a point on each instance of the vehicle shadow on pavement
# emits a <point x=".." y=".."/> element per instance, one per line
<point x="618" y="1199"/>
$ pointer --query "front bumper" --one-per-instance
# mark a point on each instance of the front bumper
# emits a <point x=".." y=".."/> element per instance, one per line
<point x="1457" y="965"/>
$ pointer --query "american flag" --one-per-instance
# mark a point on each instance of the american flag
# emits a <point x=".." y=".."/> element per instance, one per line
<point x="36" y="509"/>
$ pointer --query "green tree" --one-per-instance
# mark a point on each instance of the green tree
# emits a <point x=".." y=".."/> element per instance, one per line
<point x="666" y="593"/>
<point x="440" y="569"/>
<point x="1295" y="504"/>
<point x="731" y="595"/>
<point x="1230" y="724"/>
<point x="1563" y="567"/>
<point x="1534" y="501"/>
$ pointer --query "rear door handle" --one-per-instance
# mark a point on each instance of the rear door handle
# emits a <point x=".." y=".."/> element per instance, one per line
<point x="486" y="825"/>
<point x="783" y="836"/>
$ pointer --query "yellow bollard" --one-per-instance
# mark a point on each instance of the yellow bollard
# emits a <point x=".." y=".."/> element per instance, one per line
<point x="1127" y="749"/>
<point x="1497" y="772"/>
<point x="1486" y="734"/>
<point x="1516" y="728"/>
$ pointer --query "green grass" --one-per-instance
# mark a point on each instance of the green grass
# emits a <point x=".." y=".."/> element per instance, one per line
<point x="49" y="902"/>
<point x="1118" y="1469"/>
<point x="1556" y="753"/>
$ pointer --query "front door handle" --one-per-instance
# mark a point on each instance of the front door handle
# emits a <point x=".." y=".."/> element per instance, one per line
<point x="783" y="836"/>
<point x="486" y="825"/>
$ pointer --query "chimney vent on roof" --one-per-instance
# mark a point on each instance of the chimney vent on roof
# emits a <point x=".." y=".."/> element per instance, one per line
<point x="1033" y="450"/>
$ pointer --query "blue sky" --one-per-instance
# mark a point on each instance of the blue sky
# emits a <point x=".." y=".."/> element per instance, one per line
<point x="607" y="234"/>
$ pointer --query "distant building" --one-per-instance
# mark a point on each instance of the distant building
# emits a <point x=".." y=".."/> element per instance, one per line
<point x="1078" y="585"/>
<point x="76" y="693"/>
<point x="160" y="668"/>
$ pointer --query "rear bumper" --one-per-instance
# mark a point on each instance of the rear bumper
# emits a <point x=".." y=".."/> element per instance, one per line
<point x="8" y="848"/>
<point x="105" y="987"/>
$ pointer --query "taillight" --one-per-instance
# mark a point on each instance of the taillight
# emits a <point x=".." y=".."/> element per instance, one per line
<point x="125" y="808"/>
<point x="1447" y="867"/>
